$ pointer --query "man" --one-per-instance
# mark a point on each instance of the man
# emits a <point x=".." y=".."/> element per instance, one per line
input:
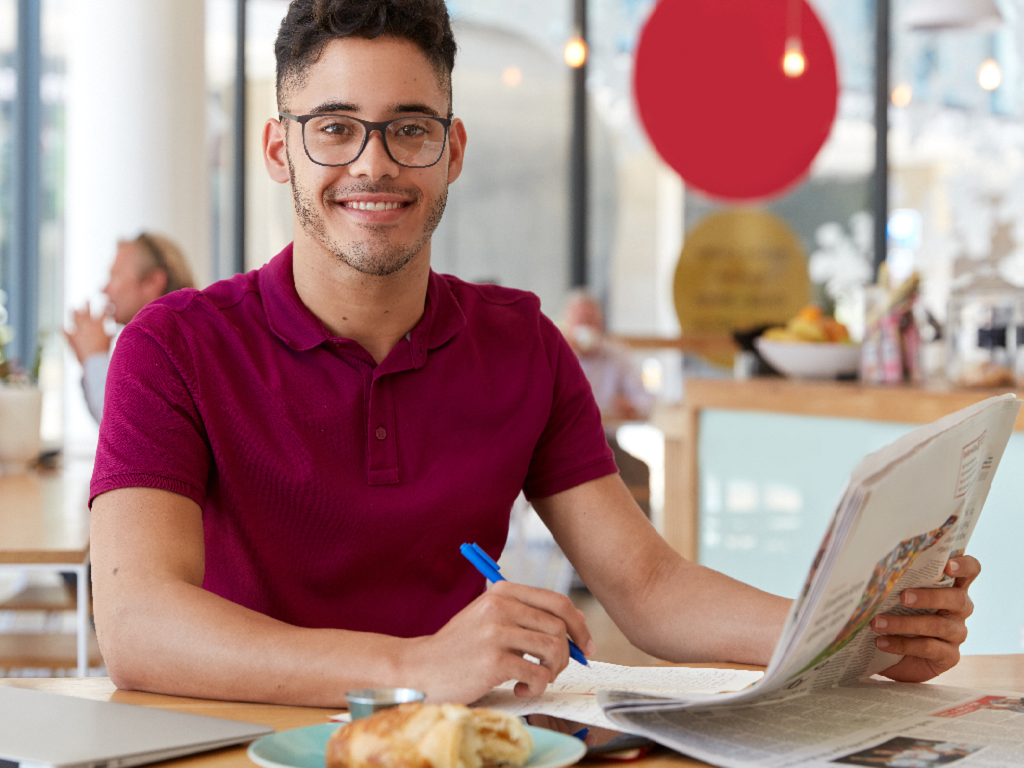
<point x="291" y="458"/>
<point x="617" y="387"/>
<point x="144" y="269"/>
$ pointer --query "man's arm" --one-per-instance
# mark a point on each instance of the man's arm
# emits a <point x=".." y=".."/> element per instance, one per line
<point x="665" y="605"/>
<point x="679" y="611"/>
<point x="159" y="630"/>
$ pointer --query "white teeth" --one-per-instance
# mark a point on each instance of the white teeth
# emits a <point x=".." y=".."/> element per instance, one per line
<point x="362" y="206"/>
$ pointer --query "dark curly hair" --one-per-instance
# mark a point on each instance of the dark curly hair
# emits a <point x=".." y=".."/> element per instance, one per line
<point x="310" y="24"/>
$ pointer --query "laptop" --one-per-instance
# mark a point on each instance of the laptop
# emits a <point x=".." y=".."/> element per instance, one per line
<point x="47" y="730"/>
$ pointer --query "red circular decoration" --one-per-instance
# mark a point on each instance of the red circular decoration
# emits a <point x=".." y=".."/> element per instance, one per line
<point x="714" y="99"/>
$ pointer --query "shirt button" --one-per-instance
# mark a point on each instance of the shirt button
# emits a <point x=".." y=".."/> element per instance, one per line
<point x="381" y="433"/>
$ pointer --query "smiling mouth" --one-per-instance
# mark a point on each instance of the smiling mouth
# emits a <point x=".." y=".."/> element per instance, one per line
<point x="365" y="206"/>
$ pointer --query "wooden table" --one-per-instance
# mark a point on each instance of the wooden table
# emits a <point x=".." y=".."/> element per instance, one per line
<point x="44" y="526"/>
<point x="994" y="672"/>
<point x="681" y="425"/>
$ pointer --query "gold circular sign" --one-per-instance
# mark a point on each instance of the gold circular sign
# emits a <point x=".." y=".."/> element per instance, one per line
<point x="740" y="269"/>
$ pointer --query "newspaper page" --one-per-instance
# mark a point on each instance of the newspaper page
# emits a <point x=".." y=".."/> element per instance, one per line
<point x="899" y="725"/>
<point x="573" y="696"/>
<point x="906" y="510"/>
<point x="919" y="509"/>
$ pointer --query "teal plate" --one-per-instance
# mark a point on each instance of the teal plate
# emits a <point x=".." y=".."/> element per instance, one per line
<point x="304" y="748"/>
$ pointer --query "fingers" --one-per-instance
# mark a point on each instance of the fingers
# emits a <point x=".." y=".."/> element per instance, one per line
<point x="952" y="600"/>
<point x="531" y="679"/>
<point x="551" y="650"/>
<point x="929" y="643"/>
<point x="935" y="653"/>
<point x="526" y="620"/>
<point x="964" y="570"/>
<point x="944" y="628"/>
<point x="554" y="604"/>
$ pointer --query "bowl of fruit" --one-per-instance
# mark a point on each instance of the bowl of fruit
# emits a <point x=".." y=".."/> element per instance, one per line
<point x="810" y="346"/>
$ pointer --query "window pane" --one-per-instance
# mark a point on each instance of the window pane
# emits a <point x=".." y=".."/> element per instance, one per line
<point x="8" y="90"/>
<point x="51" y="215"/>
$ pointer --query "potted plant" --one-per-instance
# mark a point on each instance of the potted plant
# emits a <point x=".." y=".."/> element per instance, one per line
<point x="21" y="405"/>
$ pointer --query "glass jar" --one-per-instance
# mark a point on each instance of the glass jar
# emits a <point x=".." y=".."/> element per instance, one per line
<point x="981" y="332"/>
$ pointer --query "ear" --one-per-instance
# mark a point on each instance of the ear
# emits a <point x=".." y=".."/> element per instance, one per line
<point x="456" y="149"/>
<point x="275" y="154"/>
<point x="154" y="284"/>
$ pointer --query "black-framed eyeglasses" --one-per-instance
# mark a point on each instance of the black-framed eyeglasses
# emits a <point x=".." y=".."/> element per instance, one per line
<point x="333" y="140"/>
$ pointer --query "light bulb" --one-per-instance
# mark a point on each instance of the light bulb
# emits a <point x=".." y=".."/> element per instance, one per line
<point x="793" y="62"/>
<point x="990" y="76"/>
<point x="902" y="95"/>
<point x="576" y="53"/>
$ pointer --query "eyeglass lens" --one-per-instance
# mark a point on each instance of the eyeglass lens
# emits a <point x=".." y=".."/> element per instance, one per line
<point x="336" y="140"/>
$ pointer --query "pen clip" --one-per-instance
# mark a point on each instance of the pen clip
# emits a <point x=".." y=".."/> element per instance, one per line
<point x="482" y="562"/>
<point x="485" y="556"/>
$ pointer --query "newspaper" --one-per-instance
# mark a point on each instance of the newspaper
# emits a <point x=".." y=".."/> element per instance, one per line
<point x="900" y="725"/>
<point x="905" y="511"/>
<point x="573" y="696"/>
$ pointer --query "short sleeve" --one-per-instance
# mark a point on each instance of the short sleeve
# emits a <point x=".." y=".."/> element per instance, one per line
<point x="572" y="449"/>
<point x="152" y="435"/>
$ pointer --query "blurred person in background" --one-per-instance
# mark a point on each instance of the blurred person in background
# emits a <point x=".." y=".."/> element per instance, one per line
<point x="144" y="269"/>
<point x="615" y="380"/>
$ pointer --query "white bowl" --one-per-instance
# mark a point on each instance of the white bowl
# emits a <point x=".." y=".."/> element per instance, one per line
<point x="810" y="359"/>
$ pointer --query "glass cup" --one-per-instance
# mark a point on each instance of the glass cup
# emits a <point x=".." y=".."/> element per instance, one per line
<point x="366" y="701"/>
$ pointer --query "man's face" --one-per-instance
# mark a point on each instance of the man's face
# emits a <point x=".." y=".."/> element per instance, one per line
<point x="372" y="214"/>
<point x="584" y="325"/>
<point x="127" y="289"/>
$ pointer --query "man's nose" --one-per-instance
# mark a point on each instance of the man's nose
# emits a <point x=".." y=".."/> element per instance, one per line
<point x="374" y="161"/>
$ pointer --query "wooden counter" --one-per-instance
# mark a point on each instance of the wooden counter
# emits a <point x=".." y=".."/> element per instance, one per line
<point x="681" y="425"/>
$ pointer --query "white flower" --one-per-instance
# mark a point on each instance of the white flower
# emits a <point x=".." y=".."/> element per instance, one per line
<point x="842" y="262"/>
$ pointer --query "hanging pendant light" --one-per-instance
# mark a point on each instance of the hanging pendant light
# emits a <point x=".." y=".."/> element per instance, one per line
<point x="575" y="52"/>
<point x="990" y="76"/>
<point x="793" y="60"/>
<point x="902" y="95"/>
<point x="941" y="15"/>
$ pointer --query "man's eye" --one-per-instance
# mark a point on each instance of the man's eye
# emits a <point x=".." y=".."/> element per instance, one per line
<point x="411" y="131"/>
<point x="336" y="129"/>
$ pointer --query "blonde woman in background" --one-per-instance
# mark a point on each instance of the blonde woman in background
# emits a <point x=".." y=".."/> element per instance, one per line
<point x="144" y="269"/>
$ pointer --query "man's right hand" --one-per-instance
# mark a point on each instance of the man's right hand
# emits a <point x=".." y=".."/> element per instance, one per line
<point x="88" y="335"/>
<point x="483" y="645"/>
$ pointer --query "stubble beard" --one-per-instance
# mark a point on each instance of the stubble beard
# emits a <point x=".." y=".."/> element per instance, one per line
<point x="375" y="256"/>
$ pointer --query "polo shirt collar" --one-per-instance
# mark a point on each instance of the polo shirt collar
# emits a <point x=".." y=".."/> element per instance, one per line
<point x="294" y="323"/>
<point x="290" y="319"/>
<point x="442" y="319"/>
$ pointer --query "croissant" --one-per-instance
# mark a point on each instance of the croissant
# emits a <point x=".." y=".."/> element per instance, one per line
<point x="431" y="736"/>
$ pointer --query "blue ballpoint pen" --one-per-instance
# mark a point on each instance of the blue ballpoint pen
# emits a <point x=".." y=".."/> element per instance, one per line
<point x="486" y="565"/>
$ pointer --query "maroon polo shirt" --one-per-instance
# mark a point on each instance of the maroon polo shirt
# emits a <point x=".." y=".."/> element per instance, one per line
<point x="335" y="492"/>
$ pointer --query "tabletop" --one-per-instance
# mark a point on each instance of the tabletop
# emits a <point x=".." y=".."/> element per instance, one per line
<point x="44" y="516"/>
<point x="994" y="672"/>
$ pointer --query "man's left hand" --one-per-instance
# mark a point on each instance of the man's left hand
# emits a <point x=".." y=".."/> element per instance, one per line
<point x="936" y="646"/>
